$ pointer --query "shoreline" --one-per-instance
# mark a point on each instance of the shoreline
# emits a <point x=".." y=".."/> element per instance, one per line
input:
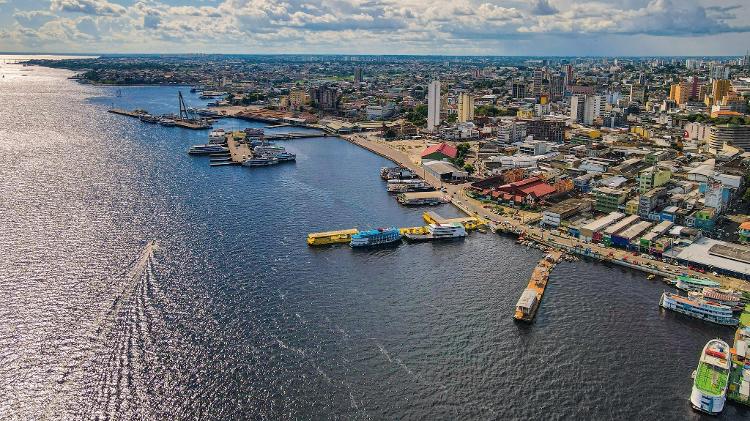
<point x="507" y="224"/>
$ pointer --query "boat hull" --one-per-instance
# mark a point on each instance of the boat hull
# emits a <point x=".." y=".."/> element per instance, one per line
<point x="671" y="305"/>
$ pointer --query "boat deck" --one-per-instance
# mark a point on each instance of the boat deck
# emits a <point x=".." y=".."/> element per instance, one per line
<point x="538" y="283"/>
<point x="710" y="379"/>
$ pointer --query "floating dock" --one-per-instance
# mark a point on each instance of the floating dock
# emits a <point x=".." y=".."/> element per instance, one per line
<point x="185" y="124"/>
<point x="531" y="297"/>
<point x="469" y="222"/>
<point x="330" y="237"/>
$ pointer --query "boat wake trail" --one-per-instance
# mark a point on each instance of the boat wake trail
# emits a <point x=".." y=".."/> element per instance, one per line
<point x="113" y="378"/>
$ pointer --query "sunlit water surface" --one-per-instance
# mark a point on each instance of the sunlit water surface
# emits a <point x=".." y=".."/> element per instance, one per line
<point x="235" y="317"/>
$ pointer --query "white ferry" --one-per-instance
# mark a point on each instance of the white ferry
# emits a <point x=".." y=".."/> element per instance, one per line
<point x="699" y="308"/>
<point x="439" y="232"/>
<point x="711" y="378"/>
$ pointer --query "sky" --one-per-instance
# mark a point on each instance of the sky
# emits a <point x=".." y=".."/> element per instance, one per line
<point x="438" y="27"/>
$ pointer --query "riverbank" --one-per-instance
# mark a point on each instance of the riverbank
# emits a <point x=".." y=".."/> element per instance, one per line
<point x="533" y="232"/>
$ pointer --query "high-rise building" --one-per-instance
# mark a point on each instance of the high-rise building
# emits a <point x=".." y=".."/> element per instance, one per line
<point x="719" y="88"/>
<point x="298" y="98"/>
<point x="680" y="92"/>
<point x="586" y="108"/>
<point x="358" y="75"/>
<point x="546" y="129"/>
<point x="718" y="71"/>
<point x="326" y="97"/>
<point x="568" y="74"/>
<point x="537" y="84"/>
<point x="556" y="87"/>
<point x="433" y="105"/>
<point x="519" y="90"/>
<point x="465" y="107"/>
<point x="638" y="93"/>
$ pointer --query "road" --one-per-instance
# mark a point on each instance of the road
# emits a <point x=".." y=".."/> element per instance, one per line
<point x="551" y="238"/>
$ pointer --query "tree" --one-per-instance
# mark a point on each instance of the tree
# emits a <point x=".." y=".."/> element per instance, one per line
<point x="469" y="168"/>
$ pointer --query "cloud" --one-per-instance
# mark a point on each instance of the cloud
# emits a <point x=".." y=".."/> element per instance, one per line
<point x="543" y="8"/>
<point x="89" y="7"/>
<point x="363" y="26"/>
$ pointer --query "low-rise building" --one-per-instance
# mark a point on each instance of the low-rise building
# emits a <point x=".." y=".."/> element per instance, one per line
<point x="608" y="199"/>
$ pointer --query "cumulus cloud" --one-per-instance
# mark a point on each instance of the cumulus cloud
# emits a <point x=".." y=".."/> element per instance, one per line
<point x="542" y="7"/>
<point x="368" y="25"/>
<point x="89" y="7"/>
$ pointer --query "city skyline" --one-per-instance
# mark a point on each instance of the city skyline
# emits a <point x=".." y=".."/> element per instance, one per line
<point x="467" y="27"/>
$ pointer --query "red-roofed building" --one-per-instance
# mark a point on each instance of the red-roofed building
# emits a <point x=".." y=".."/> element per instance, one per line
<point x="529" y="191"/>
<point x="439" y="152"/>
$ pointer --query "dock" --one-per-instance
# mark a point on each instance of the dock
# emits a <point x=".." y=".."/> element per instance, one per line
<point x="531" y="297"/>
<point x="238" y="151"/>
<point x="134" y="113"/>
<point x="178" y="122"/>
<point x="469" y="222"/>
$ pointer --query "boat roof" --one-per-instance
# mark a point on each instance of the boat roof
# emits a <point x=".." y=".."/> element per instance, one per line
<point x="331" y="233"/>
<point x="527" y="298"/>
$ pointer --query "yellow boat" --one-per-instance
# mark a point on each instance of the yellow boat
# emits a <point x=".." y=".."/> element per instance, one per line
<point x="330" y="237"/>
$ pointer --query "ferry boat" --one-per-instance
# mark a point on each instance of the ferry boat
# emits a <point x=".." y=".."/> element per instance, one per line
<point x="439" y="232"/>
<point x="686" y="283"/>
<point x="260" y="161"/>
<point x="217" y="136"/>
<point x="376" y="237"/>
<point x="269" y="149"/>
<point x="415" y="186"/>
<point x="711" y="378"/>
<point x="285" y="156"/>
<point x="699" y="308"/>
<point x="724" y="297"/>
<point x="207" y="149"/>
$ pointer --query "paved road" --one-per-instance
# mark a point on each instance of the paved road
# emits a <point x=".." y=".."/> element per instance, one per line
<point x="551" y="238"/>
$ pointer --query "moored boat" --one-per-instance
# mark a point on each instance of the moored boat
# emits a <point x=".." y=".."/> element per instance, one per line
<point x="376" y="237"/>
<point x="439" y="232"/>
<point x="207" y="149"/>
<point x="700" y="308"/>
<point x="687" y="283"/>
<point x="260" y="161"/>
<point x="711" y="378"/>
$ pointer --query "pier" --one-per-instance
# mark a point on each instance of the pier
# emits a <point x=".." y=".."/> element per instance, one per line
<point x="531" y="297"/>
<point x="469" y="222"/>
<point x="178" y="122"/>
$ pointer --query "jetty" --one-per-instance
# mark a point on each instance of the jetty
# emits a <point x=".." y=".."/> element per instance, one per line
<point x="531" y="297"/>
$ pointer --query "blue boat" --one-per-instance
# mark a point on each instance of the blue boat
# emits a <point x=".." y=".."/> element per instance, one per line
<point x="375" y="237"/>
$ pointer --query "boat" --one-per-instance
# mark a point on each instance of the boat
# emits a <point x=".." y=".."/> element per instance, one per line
<point x="700" y="308"/>
<point x="439" y="232"/>
<point x="217" y="136"/>
<point x="711" y="378"/>
<point x="166" y="122"/>
<point x="260" y="161"/>
<point x="376" y="237"/>
<point x="207" y="149"/>
<point x="723" y="296"/>
<point x="285" y="156"/>
<point x="268" y="149"/>
<point x="148" y="118"/>
<point x="651" y="277"/>
<point x="330" y="237"/>
<point x="417" y="186"/>
<point x="686" y="283"/>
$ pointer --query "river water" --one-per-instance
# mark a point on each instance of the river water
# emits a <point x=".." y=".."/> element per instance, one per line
<point x="235" y="317"/>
